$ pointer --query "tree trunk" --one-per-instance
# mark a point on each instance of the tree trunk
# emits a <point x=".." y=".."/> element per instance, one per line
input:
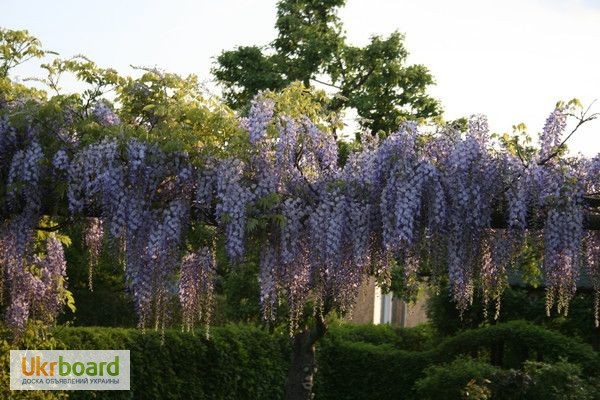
<point x="300" y="379"/>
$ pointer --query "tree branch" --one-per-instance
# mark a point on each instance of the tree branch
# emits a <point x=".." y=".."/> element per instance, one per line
<point x="582" y="119"/>
<point x="52" y="228"/>
<point x="326" y="83"/>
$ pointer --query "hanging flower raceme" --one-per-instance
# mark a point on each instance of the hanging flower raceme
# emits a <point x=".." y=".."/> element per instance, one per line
<point x="592" y="255"/>
<point x="8" y="139"/>
<point x="196" y="287"/>
<point x="94" y="235"/>
<point x="324" y="235"/>
<point x="24" y="178"/>
<point x="495" y="259"/>
<point x="53" y="268"/>
<point x="551" y="136"/>
<point x="261" y="114"/>
<point x="233" y="198"/>
<point x="563" y="234"/>
<point x="37" y="286"/>
<point x="272" y="279"/>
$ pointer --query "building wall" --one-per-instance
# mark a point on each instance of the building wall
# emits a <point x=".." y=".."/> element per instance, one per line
<point x="410" y="314"/>
<point x="364" y="309"/>
<point x="373" y="307"/>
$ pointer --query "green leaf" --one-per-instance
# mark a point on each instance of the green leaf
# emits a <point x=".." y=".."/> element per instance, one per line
<point x="70" y="300"/>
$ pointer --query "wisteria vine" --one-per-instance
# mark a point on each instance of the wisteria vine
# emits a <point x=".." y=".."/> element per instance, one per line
<point x="450" y="201"/>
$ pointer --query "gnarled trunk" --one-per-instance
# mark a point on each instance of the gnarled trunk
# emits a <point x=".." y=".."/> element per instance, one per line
<point x="300" y="379"/>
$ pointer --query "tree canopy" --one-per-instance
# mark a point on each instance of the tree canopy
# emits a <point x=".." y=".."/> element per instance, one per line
<point x="311" y="47"/>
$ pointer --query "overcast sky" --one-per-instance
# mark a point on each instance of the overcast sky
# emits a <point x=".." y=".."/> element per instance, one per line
<point x="511" y="59"/>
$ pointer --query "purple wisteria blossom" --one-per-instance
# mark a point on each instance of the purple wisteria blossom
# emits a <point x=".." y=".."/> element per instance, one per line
<point x="440" y="202"/>
<point x="196" y="286"/>
<point x="104" y="114"/>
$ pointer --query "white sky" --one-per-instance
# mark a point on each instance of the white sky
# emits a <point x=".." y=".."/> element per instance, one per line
<point x="510" y="59"/>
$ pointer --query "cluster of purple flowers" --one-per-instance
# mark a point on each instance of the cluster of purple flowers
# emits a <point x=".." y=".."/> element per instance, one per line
<point x="104" y="114"/>
<point x="36" y="284"/>
<point x="260" y="116"/>
<point x="409" y="198"/>
<point x="196" y="286"/>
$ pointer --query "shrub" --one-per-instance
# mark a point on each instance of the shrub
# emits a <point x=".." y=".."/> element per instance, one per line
<point x="521" y="341"/>
<point x="238" y="362"/>
<point x="414" y="339"/>
<point x="465" y="378"/>
<point x="362" y="371"/>
<point x="449" y="381"/>
<point x="559" y="381"/>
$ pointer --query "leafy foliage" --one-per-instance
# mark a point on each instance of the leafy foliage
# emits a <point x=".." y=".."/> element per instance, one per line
<point x="311" y="46"/>
<point x="356" y="362"/>
<point x="455" y="380"/>
<point x="17" y="47"/>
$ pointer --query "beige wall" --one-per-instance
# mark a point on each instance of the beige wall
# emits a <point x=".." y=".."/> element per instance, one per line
<point x="363" y="310"/>
<point x="409" y="314"/>
<point x="403" y="314"/>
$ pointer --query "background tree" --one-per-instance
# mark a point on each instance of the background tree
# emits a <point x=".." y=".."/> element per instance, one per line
<point x="311" y="47"/>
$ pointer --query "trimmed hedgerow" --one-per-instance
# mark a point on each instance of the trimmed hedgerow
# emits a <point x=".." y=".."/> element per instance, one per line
<point x="237" y="362"/>
<point x="360" y="370"/>
<point x="366" y="362"/>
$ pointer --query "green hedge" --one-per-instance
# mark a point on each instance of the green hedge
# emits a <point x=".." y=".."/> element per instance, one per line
<point x="238" y="362"/>
<point x="522" y="341"/>
<point x="362" y="371"/>
<point x="355" y="370"/>
<point x="354" y="362"/>
<point x="416" y="338"/>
